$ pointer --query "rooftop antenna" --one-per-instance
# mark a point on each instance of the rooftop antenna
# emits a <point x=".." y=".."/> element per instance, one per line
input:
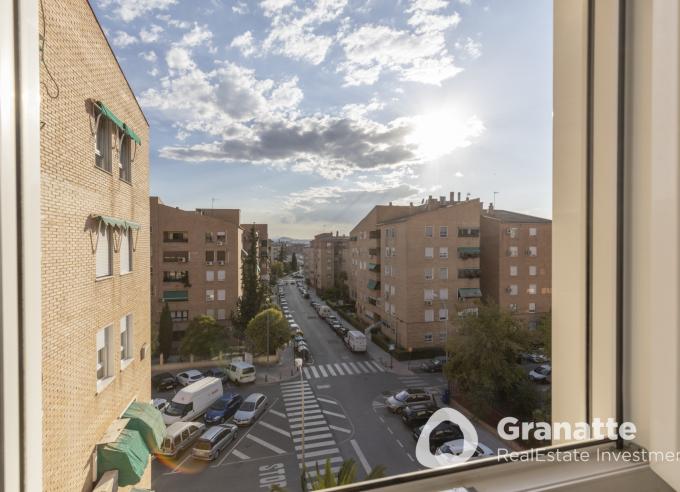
<point x="494" y="199"/>
<point x="213" y="203"/>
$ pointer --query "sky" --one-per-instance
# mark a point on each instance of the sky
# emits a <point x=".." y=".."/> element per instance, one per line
<point x="305" y="114"/>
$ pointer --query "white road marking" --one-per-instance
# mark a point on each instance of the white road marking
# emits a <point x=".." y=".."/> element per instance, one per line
<point x="312" y="473"/>
<point x="340" y="429"/>
<point x="316" y="445"/>
<point x="323" y="386"/>
<point x="334" y="414"/>
<point x="326" y="400"/>
<point x="299" y="399"/>
<point x="313" y="369"/>
<point x="289" y="384"/>
<point x="346" y="368"/>
<point x="312" y="437"/>
<point x="323" y="452"/>
<point x="337" y="366"/>
<point x="323" y="372"/>
<point x="330" y="369"/>
<point x="264" y="443"/>
<point x="296" y="391"/>
<point x="400" y="444"/>
<point x="354" y="366"/>
<point x="381" y="419"/>
<point x="366" y="369"/>
<point x="360" y="455"/>
<point x="309" y="431"/>
<point x="299" y="407"/>
<point x="309" y="424"/>
<point x="390" y="431"/>
<point x="311" y="464"/>
<point x="409" y="456"/>
<point x="306" y="371"/>
<point x="296" y="414"/>
<point x="179" y="465"/>
<point x="380" y="368"/>
<point x="277" y="413"/>
<point x="240" y="455"/>
<point x="274" y="428"/>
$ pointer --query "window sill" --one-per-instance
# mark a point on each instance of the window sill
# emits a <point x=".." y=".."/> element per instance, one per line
<point x="125" y="181"/>
<point x="101" y="279"/>
<point x="103" y="384"/>
<point x="122" y="274"/>
<point x="104" y="170"/>
<point x="124" y="363"/>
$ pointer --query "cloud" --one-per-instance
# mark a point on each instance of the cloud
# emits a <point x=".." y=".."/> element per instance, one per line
<point x="151" y="34"/>
<point x="470" y="48"/>
<point x="197" y="36"/>
<point x="272" y="7"/>
<point x="179" y="24"/>
<point x="128" y="10"/>
<point x="244" y="43"/>
<point x="149" y="56"/>
<point x="123" y="39"/>
<point x="179" y="58"/>
<point x="240" y="8"/>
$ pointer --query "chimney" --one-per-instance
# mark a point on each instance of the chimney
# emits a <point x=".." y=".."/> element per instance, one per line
<point x="410" y="204"/>
<point x="452" y="197"/>
<point x="429" y="198"/>
<point x="459" y="196"/>
<point x="390" y="204"/>
<point x="337" y="233"/>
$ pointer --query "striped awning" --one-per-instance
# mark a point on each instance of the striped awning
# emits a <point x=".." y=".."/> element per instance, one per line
<point x="118" y="122"/>
<point x="175" y="295"/>
<point x="119" y="223"/>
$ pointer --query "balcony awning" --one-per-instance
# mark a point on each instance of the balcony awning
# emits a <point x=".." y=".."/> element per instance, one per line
<point x="175" y="295"/>
<point x="469" y="250"/>
<point x="470" y="293"/>
<point x="148" y="421"/>
<point x="128" y="454"/>
<point x="374" y="267"/>
<point x="119" y="223"/>
<point x="118" y="122"/>
<point x="373" y="284"/>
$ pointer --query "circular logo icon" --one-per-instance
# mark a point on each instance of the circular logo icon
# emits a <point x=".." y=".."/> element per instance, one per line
<point x="460" y="453"/>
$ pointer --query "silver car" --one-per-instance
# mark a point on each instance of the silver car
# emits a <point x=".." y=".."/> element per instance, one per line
<point x="214" y="440"/>
<point x="409" y="397"/>
<point x="251" y="408"/>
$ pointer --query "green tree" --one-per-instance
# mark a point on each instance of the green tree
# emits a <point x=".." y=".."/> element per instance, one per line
<point x="204" y="338"/>
<point x="165" y="332"/>
<point x="283" y="253"/>
<point x="484" y="361"/>
<point x="279" y="333"/>
<point x="250" y="302"/>
<point x="544" y="334"/>
<point x="277" y="271"/>
<point x="293" y="263"/>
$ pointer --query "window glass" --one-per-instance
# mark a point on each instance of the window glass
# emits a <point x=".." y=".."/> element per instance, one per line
<point x="126" y="159"/>
<point x="102" y="149"/>
<point x="104" y="253"/>
<point x="125" y="250"/>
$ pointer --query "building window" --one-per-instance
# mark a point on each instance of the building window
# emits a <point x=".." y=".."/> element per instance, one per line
<point x="429" y="315"/>
<point x="209" y="275"/>
<point x="209" y="237"/>
<point x="125" y="163"/>
<point x="443" y="231"/>
<point x="221" y="275"/>
<point x="175" y="236"/>
<point x="532" y="270"/>
<point x="221" y="237"/>
<point x="393" y="289"/>
<point x="513" y="232"/>
<point x="442" y="336"/>
<point x="221" y="257"/>
<point x="429" y="252"/>
<point x="532" y="289"/>
<point x="468" y="232"/>
<point x="210" y="312"/>
<point x="443" y="294"/>
<point x="532" y="251"/>
<point x="443" y="314"/>
<point x="532" y="231"/>
<point x="428" y="231"/>
<point x="126" y="341"/>
<point x="513" y="271"/>
<point x="513" y="308"/>
<point x="104" y="251"/>
<point x="221" y="295"/>
<point x="428" y="294"/>
<point x="179" y="315"/>
<point x="444" y="252"/>
<point x="104" y="358"/>
<point x="512" y="290"/>
<point x="102" y="144"/>
<point x="428" y="274"/>
<point x="209" y="257"/>
<point x="443" y="273"/>
<point x="532" y="307"/>
<point x="221" y="314"/>
<point x="126" y="251"/>
<point x="427" y="338"/>
<point x="209" y="295"/>
<point x="513" y="251"/>
<point x="387" y="307"/>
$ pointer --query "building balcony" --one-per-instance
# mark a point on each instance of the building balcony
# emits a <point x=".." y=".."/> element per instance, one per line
<point x="176" y="257"/>
<point x="469" y="293"/>
<point x="468" y="232"/>
<point x="374" y="234"/>
<point x="374" y="267"/>
<point x="468" y="252"/>
<point x="373" y="251"/>
<point x="469" y="273"/>
<point x="373" y="284"/>
<point x="175" y="295"/>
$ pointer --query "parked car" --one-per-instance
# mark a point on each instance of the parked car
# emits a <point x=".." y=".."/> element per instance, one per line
<point x="446" y="431"/>
<point x="324" y="311"/>
<point x="434" y="365"/>
<point x="163" y="381"/>
<point x="214" y="440"/>
<point x="541" y="374"/>
<point x="180" y="436"/>
<point x="160" y="404"/>
<point x="191" y="402"/>
<point x="241" y="372"/>
<point x="294" y="326"/>
<point x="456" y="448"/>
<point x="187" y="377"/>
<point x="219" y="373"/>
<point x="417" y="415"/>
<point x="220" y="411"/>
<point x="251" y="408"/>
<point x="305" y="295"/>
<point x="408" y="397"/>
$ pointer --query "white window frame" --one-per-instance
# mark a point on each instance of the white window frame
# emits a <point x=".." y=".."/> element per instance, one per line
<point x="104" y="343"/>
<point x="428" y="273"/>
<point x="513" y="251"/>
<point x="221" y="314"/>
<point x="532" y="307"/>
<point x="210" y="312"/>
<point x="444" y="294"/>
<point x="443" y="231"/>
<point x="532" y="290"/>
<point x="443" y="252"/>
<point x="533" y="232"/>
<point x="429" y="252"/>
<point x="126" y="341"/>
<point x="125" y="251"/>
<point x="443" y="273"/>
<point x="125" y="160"/>
<point x="428" y="294"/>
<point x="209" y="295"/>
<point x="514" y="290"/>
<point x="104" y="246"/>
<point x="221" y="275"/>
<point x="443" y="314"/>
<point x="210" y="275"/>
<point x="513" y="270"/>
<point x="428" y="315"/>
<point x="533" y="270"/>
<point x="103" y="152"/>
<point x="428" y="338"/>
<point x="429" y="228"/>
<point x="221" y="294"/>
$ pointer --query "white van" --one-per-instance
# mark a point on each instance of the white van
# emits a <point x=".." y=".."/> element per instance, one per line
<point x="324" y="311"/>
<point x="356" y="341"/>
<point x="180" y="436"/>
<point x="241" y="372"/>
<point x="192" y="401"/>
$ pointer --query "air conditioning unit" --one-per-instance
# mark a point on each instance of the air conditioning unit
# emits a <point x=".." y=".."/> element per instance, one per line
<point x="428" y="302"/>
<point x="182" y="259"/>
<point x="208" y="262"/>
<point x="508" y="290"/>
<point x="220" y="262"/>
<point x="220" y="243"/>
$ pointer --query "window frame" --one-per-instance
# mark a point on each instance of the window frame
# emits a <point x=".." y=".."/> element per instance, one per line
<point x="108" y="363"/>
<point x="127" y="346"/>
<point x="125" y="160"/>
<point x="109" y="243"/>
<point x="106" y="154"/>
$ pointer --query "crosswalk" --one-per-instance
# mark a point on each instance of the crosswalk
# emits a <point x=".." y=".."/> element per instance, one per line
<point x="309" y="428"/>
<point x="320" y="371"/>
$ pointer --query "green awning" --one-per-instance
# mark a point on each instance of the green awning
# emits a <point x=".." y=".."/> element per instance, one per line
<point x="128" y="454"/>
<point x="374" y="267"/>
<point x="119" y="223"/>
<point x="148" y="421"/>
<point x="373" y="284"/>
<point x="470" y="250"/>
<point x="118" y="122"/>
<point x="175" y="295"/>
<point x="470" y="293"/>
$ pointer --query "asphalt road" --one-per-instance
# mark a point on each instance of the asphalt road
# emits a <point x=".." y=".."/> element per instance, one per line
<point x="344" y="418"/>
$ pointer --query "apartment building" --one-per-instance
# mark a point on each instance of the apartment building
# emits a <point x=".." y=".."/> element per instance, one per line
<point x="325" y="261"/>
<point x="263" y="246"/>
<point x="94" y="165"/>
<point x="416" y="268"/>
<point x="196" y="264"/>
<point x="516" y="262"/>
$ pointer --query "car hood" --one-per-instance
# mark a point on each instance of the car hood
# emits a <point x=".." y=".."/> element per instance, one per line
<point x="214" y="414"/>
<point x="241" y="415"/>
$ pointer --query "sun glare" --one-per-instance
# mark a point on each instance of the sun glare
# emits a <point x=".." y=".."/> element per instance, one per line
<point x="441" y="132"/>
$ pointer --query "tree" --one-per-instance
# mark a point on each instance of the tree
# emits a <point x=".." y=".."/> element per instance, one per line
<point x="251" y="299"/>
<point x="165" y="332"/>
<point x="277" y="271"/>
<point x="325" y="479"/>
<point x="204" y="338"/>
<point x="279" y="333"/>
<point x="294" y="263"/>
<point x="484" y="361"/>
<point x="282" y="253"/>
<point x="544" y="334"/>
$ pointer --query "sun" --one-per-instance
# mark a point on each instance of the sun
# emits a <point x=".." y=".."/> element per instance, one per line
<point x="439" y="133"/>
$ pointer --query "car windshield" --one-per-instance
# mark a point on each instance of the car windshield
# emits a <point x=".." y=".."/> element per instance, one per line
<point x="176" y="409"/>
<point x="247" y="406"/>
<point x="167" y="444"/>
<point x="543" y="370"/>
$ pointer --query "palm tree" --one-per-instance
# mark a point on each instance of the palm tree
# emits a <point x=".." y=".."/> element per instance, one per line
<point x="326" y="479"/>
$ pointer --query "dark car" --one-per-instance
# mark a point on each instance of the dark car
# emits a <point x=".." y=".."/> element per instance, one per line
<point x="434" y="365"/>
<point x="446" y="431"/>
<point x="417" y="415"/>
<point x="217" y="372"/>
<point x="223" y="409"/>
<point x="163" y="381"/>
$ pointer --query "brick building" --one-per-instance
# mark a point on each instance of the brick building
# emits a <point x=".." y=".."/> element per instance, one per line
<point x="516" y="263"/>
<point x="94" y="148"/>
<point x="325" y="261"/>
<point x="196" y="264"/>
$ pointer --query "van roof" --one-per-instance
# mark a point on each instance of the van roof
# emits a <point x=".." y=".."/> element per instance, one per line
<point x="199" y="385"/>
<point x="241" y="364"/>
<point x="177" y="428"/>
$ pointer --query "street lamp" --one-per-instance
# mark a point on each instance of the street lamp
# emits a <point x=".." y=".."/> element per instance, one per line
<point x="298" y="365"/>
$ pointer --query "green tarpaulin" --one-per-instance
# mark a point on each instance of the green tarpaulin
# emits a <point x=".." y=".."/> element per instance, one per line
<point x="148" y="421"/>
<point x="175" y="295"/>
<point x="128" y="454"/>
<point x="374" y="267"/>
<point x="118" y="122"/>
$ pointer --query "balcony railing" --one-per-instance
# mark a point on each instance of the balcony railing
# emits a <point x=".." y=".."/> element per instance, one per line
<point x="176" y="257"/>
<point x="468" y="252"/>
<point x="468" y="273"/>
<point x="374" y="251"/>
<point x="468" y="232"/>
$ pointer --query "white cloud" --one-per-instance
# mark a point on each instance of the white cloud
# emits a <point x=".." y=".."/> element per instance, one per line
<point x="123" y="39"/>
<point x="149" y="56"/>
<point x="357" y="111"/>
<point x="245" y="43"/>
<point x="179" y="58"/>
<point x="465" y="2"/>
<point x="128" y="10"/>
<point x="272" y="7"/>
<point x="197" y="36"/>
<point x="459" y="174"/>
<point x="470" y="48"/>
<point x="173" y="22"/>
<point x="151" y="34"/>
<point x="154" y="72"/>
<point x="240" y="8"/>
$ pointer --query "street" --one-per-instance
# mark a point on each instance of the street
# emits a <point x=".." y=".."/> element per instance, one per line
<point x="344" y="418"/>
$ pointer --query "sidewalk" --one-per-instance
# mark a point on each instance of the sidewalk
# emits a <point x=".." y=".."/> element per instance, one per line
<point x="283" y="370"/>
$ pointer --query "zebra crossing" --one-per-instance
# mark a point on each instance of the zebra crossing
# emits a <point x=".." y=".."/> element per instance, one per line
<point x="309" y="428"/>
<point x="320" y="371"/>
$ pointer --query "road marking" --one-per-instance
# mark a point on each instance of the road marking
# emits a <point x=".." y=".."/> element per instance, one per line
<point x="409" y="456"/>
<point x="312" y="473"/>
<point x="323" y="386"/>
<point x="341" y="429"/>
<point x="334" y="459"/>
<point x="264" y="443"/>
<point x="309" y="424"/>
<point x="326" y="400"/>
<point x="323" y="452"/>
<point x="308" y="418"/>
<point x="289" y="384"/>
<point x="295" y="414"/>
<point x="390" y="431"/>
<point x="309" y="431"/>
<point x="277" y="413"/>
<point x="346" y="368"/>
<point x="354" y="366"/>
<point x="400" y="444"/>
<point x="240" y="455"/>
<point x="297" y="400"/>
<point x="313" y="369"/>
<point x="312" y="437"/>
<point x="328" y="412"/>
<point x="179" y="465"/>
<point x="366" y="369"/>
<point x="306" y="371"/>
<point x="381" y="419"/>
<point x="361" y="456"/>
<point x="380" y="368"/>
<point x="316" y="445"/>
<point x="323" y="372"/>
<point x="274" y="428"/>
<point x="299" y="407"/>
<point x="337" y="366"/>
<point x="330" y="369"/>
<point x="378" y="405"/>
<point x="296" y="391"/>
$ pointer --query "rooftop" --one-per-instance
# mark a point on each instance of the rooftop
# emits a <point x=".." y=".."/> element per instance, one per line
<point x="514" y="217"/>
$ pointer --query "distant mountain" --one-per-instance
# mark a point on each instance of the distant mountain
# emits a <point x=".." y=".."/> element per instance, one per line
<point x="290" y="240"/>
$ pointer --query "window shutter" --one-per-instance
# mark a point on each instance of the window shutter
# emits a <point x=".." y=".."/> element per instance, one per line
<point x="104" y="251"/>
<point x="125" y="263"/>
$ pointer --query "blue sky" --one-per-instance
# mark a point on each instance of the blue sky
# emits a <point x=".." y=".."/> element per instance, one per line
<point x="305" y="114"/>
